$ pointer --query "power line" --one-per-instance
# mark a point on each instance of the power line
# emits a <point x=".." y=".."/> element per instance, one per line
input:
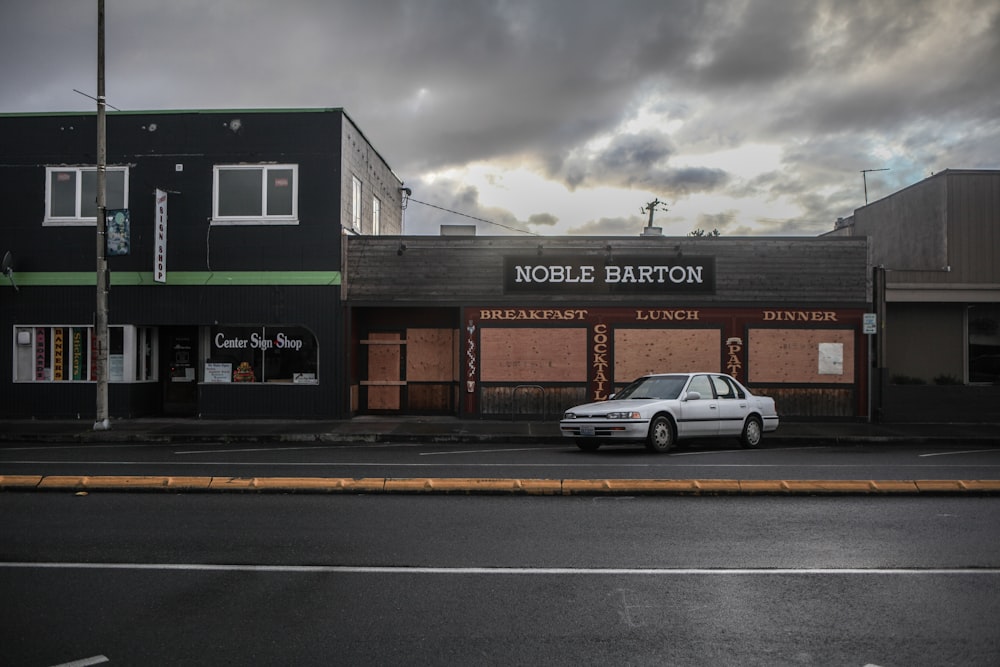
<point x="472" y="217"/>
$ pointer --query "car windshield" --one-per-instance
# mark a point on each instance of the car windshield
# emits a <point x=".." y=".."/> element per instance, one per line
<point x="662" y="387"/>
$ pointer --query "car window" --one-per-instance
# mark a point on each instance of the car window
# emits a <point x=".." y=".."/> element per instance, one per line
<point x="702" y="385"/>
<point x="723" y="389"/>
<point x="664" y="387"/>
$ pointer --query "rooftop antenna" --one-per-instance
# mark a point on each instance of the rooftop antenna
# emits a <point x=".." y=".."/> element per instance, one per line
<point x="864" y="177"/>
<point x="650" y="208"/>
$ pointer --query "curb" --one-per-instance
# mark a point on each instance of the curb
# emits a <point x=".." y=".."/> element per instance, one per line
<point x="502" y="486"/>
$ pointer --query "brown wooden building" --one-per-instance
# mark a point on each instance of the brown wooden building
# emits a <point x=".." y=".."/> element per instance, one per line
<point x="515" y="327"/>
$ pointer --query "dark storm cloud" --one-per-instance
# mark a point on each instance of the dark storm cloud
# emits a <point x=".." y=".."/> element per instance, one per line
<point x="843" y="85"/>
<point x="637" y="161"/>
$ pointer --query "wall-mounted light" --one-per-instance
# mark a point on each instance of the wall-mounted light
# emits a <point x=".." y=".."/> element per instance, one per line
<point x="401" y="249"/>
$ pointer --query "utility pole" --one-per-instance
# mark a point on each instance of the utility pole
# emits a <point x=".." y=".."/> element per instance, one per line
<point x="102" y="422"/>
<point x="864" y="177"/>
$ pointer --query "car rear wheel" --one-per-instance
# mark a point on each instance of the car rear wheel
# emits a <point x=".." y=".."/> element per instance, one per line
<point x="752" y="434"/>
<point x="588" y="445"/>
<point x="661" y="435"/>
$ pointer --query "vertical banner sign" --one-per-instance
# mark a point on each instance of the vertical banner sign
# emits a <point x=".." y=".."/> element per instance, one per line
<point x="57" y="354"/>
<point x="117" y="230"/>
<point x="160" y="234"/>
<point x="41" y="354"/>
<point x="76" y="339"/>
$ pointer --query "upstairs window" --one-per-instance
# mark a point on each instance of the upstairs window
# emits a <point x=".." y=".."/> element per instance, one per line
<point x="356" y="204"/>
<point x="71" y="194"/>
<point x="255" y="194"/>
<point x="376" y="216"/>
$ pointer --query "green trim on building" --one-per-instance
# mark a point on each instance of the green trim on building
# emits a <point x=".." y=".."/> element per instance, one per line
<point x="133" y="278"/>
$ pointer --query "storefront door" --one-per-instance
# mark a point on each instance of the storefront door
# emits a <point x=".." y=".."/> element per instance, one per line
<point x="385" y="382"/>
<point x="178" y="370"/>
<point x="412" y="371"/>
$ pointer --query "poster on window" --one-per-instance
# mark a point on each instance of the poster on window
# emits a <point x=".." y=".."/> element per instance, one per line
<point x="117" y="228"/>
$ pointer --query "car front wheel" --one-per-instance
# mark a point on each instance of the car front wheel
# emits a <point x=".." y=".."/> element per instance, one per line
<point x="752" y="434"/>
<point x="661" y="435"/>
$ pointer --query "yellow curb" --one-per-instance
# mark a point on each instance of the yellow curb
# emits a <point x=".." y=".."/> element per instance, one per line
<point x="326" y="484"/>
<point x="895" y="486"/>
<point x="763" y="486"/>
<point x="828" y="486"/>
<point x="574" y="486"/>
<point x="62" y="482"/>
<point x="939" y="485"/>
<point x="473" y="485"/>
<point x="717" y="485"/>
<point x="983" y="485"/>
<point x="231" y="483"/>
<point x="19" y="481"/>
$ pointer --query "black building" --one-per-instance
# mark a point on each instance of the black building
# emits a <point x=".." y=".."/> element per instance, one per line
<point x="227" y="302"/>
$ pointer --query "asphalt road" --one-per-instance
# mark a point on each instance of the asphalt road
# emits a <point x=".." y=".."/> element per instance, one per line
<point x="167" y="579"/>
<point x="697" y="460"/>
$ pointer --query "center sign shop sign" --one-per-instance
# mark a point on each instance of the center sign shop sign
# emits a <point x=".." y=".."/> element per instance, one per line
<point x="631" y="274"/>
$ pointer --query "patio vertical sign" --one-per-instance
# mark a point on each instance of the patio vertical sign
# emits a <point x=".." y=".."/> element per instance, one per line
<point x="160" y="234"/>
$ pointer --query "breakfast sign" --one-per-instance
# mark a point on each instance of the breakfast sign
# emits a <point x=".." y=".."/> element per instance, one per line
<point x="629" y="274"/>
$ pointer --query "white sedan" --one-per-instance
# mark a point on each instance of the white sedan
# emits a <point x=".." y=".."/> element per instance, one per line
<point x="661" y="409"/>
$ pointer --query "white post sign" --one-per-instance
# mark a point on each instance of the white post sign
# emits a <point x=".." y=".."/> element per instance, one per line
<point x="160" y="234"/>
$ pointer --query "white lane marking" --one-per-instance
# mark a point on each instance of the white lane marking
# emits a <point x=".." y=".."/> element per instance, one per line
<point x="392" y="569"/>
<point x="969" y="451"/>
<point x="490" y="451"/>
<point x="85" y="662"/>
<point x="216" y="450"/>
<point x="745" y="451"/>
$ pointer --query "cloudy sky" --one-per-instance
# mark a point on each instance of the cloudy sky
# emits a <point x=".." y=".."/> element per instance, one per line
<point x="753" y="117"/>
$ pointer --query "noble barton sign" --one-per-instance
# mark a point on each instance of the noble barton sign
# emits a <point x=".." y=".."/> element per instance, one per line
<point x="627" y="274"/>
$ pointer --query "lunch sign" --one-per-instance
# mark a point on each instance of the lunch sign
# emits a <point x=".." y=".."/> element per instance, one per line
<point x="629" y="274"/>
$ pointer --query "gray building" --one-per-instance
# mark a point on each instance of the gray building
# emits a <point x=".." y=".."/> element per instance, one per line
<point x="935" y="257"/>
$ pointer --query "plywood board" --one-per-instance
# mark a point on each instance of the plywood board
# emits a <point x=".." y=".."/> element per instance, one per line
<point x="430" y="355"/>
<point x="641" y="351"/>
<point x="528" y="354"/>
<point x="801" y="355"/>
<point x="384" y="358"/>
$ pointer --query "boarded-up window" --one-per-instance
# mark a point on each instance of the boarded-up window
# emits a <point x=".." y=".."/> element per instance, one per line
<point x="430" y="355"/>
<point x="533" y="354"/>
<point x="801" y="355"/>
<point x="642" y="351"/>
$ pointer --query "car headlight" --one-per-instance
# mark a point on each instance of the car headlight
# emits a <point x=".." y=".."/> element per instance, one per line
<point x="623" y="415"/>
<point x="569" y="415"/>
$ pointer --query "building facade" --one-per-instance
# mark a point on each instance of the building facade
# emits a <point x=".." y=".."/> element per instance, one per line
<point x="225" y="241"/>
<point x="508" y="327"/>
<point x="936" y="265"/>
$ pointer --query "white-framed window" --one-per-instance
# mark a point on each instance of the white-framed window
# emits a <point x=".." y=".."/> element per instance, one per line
<point x="258" y="194"/>
<point x="356" y="204"/>
<point x="71" y="194"/>
<point x="68" y="353"/>
<point x="376" y="216"/>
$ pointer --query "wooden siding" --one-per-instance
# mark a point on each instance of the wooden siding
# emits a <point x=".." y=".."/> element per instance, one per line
<point x="457" y="270"/>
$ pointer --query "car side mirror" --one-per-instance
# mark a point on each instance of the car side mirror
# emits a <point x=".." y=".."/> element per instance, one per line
<point x="692" y="396"/>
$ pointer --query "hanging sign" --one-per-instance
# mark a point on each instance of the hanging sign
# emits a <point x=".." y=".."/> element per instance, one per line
<point x="117" y="231"/>
<point x="160" y="236"/>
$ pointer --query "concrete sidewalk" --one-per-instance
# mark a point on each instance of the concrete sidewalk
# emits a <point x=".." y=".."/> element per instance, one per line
<point x="377" y="429"/>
